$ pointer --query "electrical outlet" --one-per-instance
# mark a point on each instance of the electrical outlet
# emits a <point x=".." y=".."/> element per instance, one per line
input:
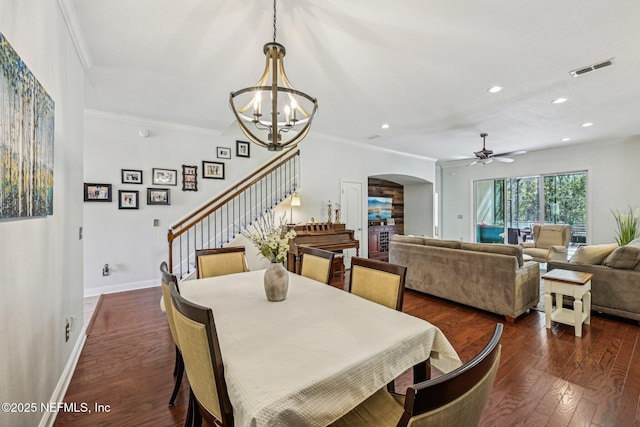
<point x="67" y="330"/>
<point x="80" y="233"/>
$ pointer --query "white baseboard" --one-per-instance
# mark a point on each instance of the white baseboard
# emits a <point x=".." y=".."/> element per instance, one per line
<point x="59" y="392"/>
<point x="89" y="292"/>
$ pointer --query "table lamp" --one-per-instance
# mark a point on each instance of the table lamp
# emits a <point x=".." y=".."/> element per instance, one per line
<point x="295" y="201"/>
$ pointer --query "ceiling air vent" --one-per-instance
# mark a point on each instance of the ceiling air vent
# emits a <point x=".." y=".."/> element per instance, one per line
<point x="590" y="68"/>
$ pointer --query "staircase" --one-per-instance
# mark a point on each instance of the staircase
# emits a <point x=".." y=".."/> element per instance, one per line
<point x="220" y="220"/>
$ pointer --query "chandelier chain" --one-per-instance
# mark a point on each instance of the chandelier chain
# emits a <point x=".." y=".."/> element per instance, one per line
<point x="274" y="21"/>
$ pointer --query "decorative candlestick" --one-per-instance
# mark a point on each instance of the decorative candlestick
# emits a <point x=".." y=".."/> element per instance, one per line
<point x="337" y="213"/>
<point x="328" y="211"/>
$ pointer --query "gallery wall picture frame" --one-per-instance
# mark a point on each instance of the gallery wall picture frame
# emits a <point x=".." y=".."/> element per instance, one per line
<point x="128" y="199"/>
<point x="189" y="178"/>
<point x="212" y="170"/>
<point x="97" y="192"/>
<point x="164" y="176"/>
<point x="158" y="196"/>
<point x="131" y="176"/>
<point x="223" y="152"/>
<point x="242" y="149"/>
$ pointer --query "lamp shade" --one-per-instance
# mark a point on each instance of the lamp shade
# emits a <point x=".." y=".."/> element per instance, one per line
<point x="295" y="200"/>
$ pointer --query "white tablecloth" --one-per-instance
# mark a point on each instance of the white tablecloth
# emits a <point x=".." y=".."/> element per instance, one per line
<point x="313" y="357"/>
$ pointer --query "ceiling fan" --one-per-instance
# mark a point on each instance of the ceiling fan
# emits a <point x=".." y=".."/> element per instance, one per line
<point x="485" y="156"/>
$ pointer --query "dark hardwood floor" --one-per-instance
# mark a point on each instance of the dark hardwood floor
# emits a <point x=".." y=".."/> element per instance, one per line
<point x="546" y="377"/>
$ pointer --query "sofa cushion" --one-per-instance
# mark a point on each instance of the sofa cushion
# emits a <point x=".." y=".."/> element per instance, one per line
<point x="408" y="239"/>
<point x="495" y="248"/>
<point x="623" y="257"/>
<point x="592" y="254"/>
<point x="451" y="244"/>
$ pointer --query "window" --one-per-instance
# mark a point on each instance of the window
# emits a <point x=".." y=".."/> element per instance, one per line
<point x="511" y="206"/>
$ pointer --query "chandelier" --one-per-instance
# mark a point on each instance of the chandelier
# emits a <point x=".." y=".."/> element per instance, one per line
<point x="272" y="114"/>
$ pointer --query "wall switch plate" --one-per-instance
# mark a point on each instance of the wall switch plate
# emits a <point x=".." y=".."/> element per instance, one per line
<point x="459" y="216"/>
<point x="156" y="222"/>
<point x="80" y="233"/>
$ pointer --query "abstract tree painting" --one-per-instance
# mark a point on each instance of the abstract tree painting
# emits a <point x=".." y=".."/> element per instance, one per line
<point x="26" y="140"/>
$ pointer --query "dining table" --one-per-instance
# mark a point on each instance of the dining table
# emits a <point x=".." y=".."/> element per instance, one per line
<point x="310" y="359"/>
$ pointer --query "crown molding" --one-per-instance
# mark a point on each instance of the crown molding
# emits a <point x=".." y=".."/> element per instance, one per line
<point x="75" y="30"/>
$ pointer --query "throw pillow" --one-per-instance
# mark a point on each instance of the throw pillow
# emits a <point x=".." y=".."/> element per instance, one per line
<point x="634" y="243"/>
<point x="592" y="254"/>
<point x="623" y="257"/>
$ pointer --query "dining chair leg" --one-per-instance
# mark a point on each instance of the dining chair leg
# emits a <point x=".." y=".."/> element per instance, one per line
<point x="179" y="374"/>
<point x="188" y="422"/>
<point x="175" y="365"/>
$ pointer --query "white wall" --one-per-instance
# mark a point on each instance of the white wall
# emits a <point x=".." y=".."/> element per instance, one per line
<point x="418" y="209"/>
<point x="612" y="183"/>
<point x="41" y="258"/>
<point x="127" y="240"/>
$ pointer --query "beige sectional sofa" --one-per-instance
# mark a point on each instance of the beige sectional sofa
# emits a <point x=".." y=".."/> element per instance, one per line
<point x="491" y="277"/>
<point x="615" y="286"/>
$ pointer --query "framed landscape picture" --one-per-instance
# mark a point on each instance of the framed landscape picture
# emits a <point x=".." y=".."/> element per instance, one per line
<point x="189" y="178"/>
<point x="242" y="149"/>
<point x="213" y="170"/>
<point x="97" y="192"/>
<point x="128" y="199"/>
<point x="223" y="152"/>
<point x="131" y="176"/>
<point x="164" y="176"/>
<point x="158" y="196"/>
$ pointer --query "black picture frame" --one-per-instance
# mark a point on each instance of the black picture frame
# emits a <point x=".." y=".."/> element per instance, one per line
<point x="223" y="152"/>
<point x="164" y="176"/>
<point x="97" y="192"/>
<point x="158" y="196"/>
<point x="212" y="170"/>
<point x="189" y="178"/>
<point x="131" y="176"/>
<point x="243" y="149"/>
<point x="128" y="199"/>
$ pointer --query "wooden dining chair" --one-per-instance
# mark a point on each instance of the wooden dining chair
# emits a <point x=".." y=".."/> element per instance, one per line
<point x="200" y="348"/>
<point x="378" y="281"/>
<point x="220" y="261"/>
<point x="178" y="368"/>
<point x="317" y="264"/>
<point x="454" y="399"/>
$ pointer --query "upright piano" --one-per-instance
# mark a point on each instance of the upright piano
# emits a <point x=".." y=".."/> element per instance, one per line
<point x="330" y="237"/>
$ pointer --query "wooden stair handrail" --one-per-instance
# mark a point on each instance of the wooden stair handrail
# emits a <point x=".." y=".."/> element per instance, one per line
<point x="220" y="200"/>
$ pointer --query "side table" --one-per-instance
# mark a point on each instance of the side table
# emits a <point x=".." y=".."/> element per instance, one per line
<point x="571" y="283"/>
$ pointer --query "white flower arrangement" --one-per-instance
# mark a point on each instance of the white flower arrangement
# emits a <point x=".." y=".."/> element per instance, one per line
<point x="270" y="238"/>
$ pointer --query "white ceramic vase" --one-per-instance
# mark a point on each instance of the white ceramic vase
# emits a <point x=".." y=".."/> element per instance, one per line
<point x="276" y="282"/>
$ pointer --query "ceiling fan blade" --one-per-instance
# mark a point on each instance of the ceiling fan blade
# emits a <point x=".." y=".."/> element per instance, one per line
<point x="502" y="159"/>
<point x="510" y="153"/>
<point x="473" y="163"/>
<point x="487" y="161"/>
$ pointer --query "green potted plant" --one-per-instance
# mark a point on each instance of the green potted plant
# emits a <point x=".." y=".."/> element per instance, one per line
<point x="628" y="225"/>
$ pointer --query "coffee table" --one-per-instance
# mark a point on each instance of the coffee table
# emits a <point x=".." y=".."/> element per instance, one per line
<point x="571" y="283"/>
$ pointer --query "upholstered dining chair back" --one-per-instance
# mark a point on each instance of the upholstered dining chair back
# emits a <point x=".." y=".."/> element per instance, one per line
<point x="457" y="398"/>
<point x="378" y="281"/>
<point x="220" y="261"/>
<point x="202" y="360"/>
<point x="178" y="370"/>
<point x="317" y="264"/>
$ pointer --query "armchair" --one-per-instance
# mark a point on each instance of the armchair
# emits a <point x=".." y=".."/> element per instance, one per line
<point x="550" y="243"/>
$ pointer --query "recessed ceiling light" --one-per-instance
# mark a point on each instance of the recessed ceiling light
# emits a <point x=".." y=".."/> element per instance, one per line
<point x="494" y="89"/>
<point x="586" y="125"/>
<point x="385" y="126"/>
<point x="566" y="139"/>
<point x="559" y="100"/>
